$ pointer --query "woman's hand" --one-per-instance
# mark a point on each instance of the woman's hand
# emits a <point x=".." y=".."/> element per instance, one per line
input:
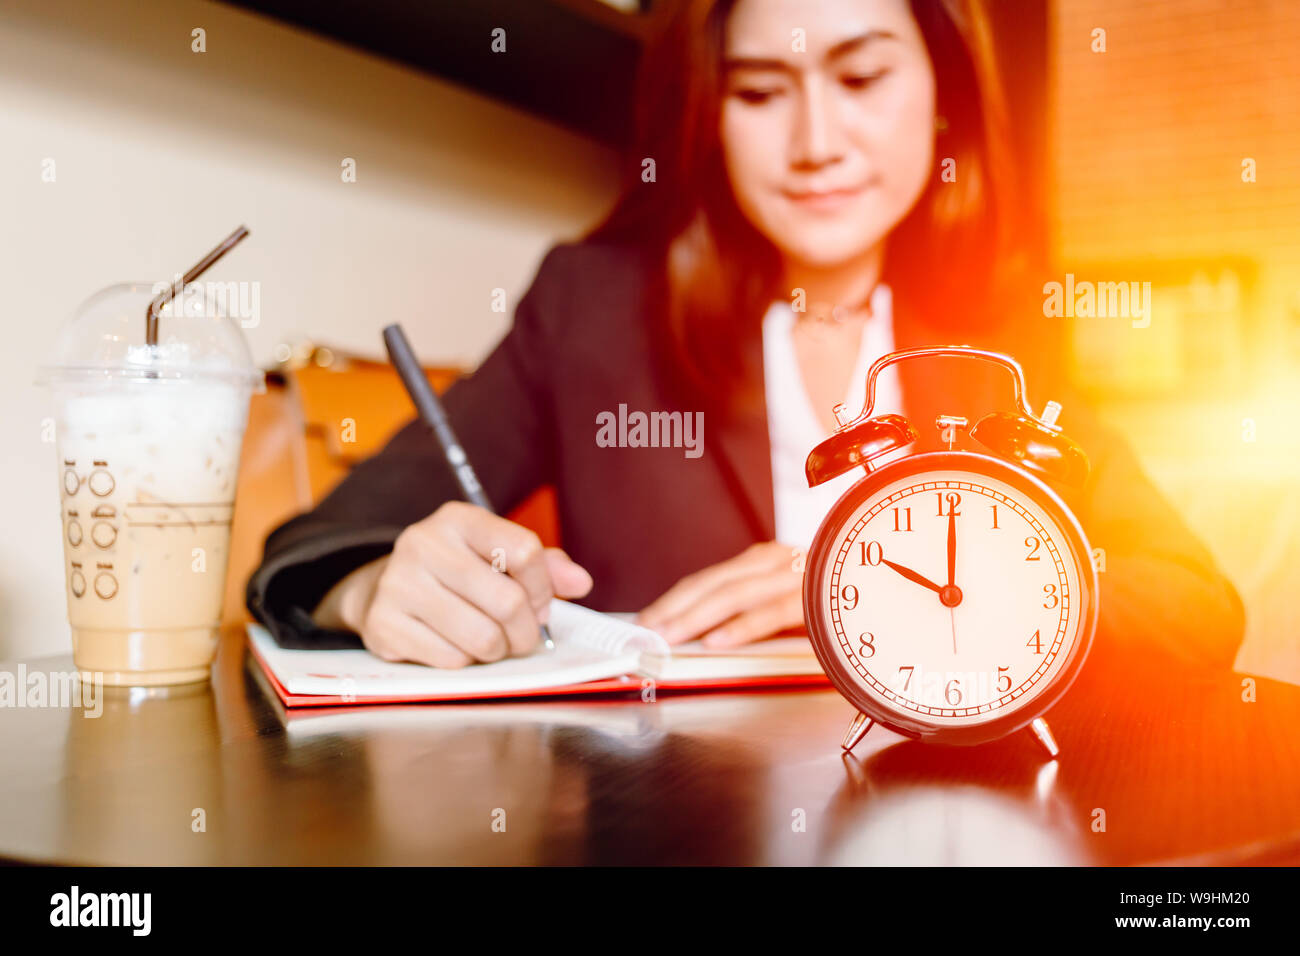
<point x="754" y="595"/>
<point x="461" y="586"/>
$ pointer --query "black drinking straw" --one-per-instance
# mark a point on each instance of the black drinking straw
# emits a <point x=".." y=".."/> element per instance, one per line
<point x="200" y="267"/>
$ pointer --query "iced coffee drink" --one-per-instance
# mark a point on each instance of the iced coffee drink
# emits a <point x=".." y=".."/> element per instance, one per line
<point x="148" y="446"/>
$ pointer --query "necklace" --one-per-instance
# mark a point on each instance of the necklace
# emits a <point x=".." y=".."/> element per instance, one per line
<point x="840" y="314"/>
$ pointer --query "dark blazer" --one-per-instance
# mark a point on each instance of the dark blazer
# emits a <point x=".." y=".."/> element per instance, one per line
<point x="639" y="519"/>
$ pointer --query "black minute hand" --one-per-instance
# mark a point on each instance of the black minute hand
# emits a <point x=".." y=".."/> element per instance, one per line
<point x="912" y="575"/>
<point x="952" y="547"/>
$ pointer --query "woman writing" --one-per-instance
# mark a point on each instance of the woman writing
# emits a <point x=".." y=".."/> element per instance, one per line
<point x="813" y="186"/>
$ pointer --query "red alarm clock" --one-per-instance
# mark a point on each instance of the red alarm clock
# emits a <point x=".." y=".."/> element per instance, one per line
<point x="951" y="595"/>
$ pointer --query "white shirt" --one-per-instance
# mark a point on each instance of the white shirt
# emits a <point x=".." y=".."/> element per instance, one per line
<point x="793" y="426"/>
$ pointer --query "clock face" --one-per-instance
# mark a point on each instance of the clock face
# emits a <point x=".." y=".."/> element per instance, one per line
<point x="950" y="597"/>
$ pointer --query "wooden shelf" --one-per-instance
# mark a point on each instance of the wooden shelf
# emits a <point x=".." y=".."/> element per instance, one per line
<point x="570" y="61"/>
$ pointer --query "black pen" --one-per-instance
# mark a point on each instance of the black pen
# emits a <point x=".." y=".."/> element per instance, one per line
<point x="431" y="410"/>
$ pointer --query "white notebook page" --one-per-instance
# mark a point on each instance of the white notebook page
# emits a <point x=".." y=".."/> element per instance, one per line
<point x="588" y="646"/>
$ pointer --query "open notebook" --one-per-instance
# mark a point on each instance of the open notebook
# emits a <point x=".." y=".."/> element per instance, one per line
<point x="594" y="653"/>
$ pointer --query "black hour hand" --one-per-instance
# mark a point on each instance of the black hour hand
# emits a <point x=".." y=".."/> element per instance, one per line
<point x="913" y="576"/>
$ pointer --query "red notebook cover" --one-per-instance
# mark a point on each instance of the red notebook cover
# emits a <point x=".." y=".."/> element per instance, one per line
<point x="614" y="685"/>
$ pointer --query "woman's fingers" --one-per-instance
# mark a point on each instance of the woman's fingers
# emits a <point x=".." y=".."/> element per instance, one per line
<point x="782" y="614"/>
<point x="428" y="565"/>
<point x="466" y="585"/>
<point x="757" y="558"/>
<point x="496" y="597"/>
<point x="395" y="636"/>
<point x="568" y="578"/>
<point x="478" y="585"/>
<point x="726" y="601"/>
<point x="412" y="592"/>
<point x="506" y="547"/>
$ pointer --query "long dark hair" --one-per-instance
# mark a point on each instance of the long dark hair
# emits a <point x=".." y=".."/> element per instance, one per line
<point x="721" y="273"/>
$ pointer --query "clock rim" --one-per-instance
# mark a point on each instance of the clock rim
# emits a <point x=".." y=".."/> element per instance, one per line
<point x="918" y="727"/>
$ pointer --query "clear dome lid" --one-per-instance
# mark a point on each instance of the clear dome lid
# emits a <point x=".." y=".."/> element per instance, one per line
<point x="106" y="338"/>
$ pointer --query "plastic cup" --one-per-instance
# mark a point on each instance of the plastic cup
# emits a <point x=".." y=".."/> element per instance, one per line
<point x="148" y="440"/>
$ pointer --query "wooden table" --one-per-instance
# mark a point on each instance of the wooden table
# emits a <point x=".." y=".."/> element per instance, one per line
<point x="1183" y="768"/>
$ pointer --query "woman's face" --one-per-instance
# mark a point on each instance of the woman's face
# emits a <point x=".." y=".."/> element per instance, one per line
<point x="828" y="135"/>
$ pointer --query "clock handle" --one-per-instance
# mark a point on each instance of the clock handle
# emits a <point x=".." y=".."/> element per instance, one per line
<point x="950" y="351"/>
<point x="857" y="730"/>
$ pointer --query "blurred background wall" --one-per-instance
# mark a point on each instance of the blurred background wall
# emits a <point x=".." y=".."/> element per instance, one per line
<point x="1176" y="161"/>
<point x="160" y="152"/>
<point x="1134" y="145"/>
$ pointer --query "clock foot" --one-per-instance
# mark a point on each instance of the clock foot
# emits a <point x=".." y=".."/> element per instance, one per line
<point x="1044" y="735"/>
<point x="857" y="730"/>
